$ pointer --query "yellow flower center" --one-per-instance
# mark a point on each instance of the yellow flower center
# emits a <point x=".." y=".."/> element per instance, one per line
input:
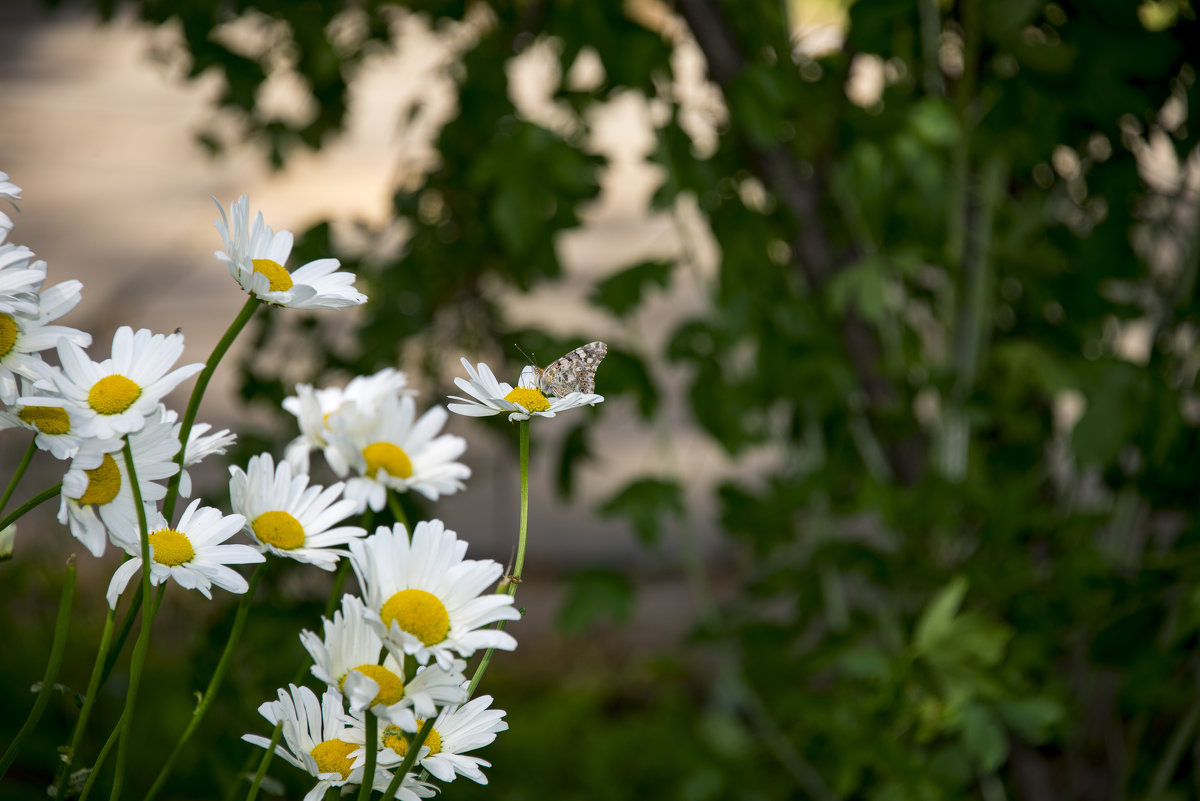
<point x="279" y="529"/>
<point x="396" y="740"/>
<point x="171" y="547"/>
<point x="104" y="482"/>
<point x="419" y="613"/>
<point x="281" y="279"/>
<point x="8" y="334"/>
<point x="530" y="398"/>
<point x="113" y="394"/>
<point x="391" y="686"/>
<point x="333" y="756"/>
<point x="48" y="419"/>
<point x="389" y="458"/>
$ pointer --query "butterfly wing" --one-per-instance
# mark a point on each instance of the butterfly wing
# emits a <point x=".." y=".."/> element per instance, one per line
<point x="575" y="372"/>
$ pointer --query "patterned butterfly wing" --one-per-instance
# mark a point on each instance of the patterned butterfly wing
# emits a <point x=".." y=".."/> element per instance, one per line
<point x="575" y="372"/>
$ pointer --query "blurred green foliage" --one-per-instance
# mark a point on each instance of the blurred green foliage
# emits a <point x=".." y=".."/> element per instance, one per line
<point x="969" y="574"/>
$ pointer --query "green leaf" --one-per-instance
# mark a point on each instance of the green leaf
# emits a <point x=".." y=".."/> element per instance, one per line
<point x="936" y="623"/>
<point x="622" y="292"/>
<point x="646" y="503"/>
<point x="593" y="596"/>
<point x="984" y="738"/>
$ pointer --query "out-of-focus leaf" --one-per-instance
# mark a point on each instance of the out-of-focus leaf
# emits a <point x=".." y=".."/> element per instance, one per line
<point x="623" y="291"/>
<point x="594" y="596"/>
<point x="646" y="503"/>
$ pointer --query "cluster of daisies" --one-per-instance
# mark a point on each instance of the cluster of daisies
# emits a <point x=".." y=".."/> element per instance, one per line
<point x="393" y="658"/>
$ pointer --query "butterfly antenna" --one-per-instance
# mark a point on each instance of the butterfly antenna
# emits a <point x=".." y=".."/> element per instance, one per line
<point x="528" y="358"/>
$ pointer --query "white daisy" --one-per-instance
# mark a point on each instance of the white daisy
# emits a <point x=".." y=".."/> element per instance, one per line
<point x="200" y="446"/>
<point x="256" y="256"/>
<point x="20" y="279"/>
<point x="389" y="450"/>
<point x="24" y="335"/>
<point x="457" y="729"/>
<point x="425" y="599"/>
<point x="314" y="408"/>
<point x="114" y="397"/>
<point x="51" y="424"/>
<point x="287" y="517"/>
<point x="12" y="193"/>
<point x="489" y="396"/>
<point x="97" y="488"/>
<point x="191" y="553"/>
<point x="347" y="659"/>
<point x="318" y="740"/>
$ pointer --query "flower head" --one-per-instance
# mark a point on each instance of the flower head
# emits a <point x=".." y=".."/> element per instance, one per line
<point x="458" y="729"/>
<point x="12" y="193"/>
<point x="315" y="408"/>
<point x="425" y="599"/>
<point x="191" y="553"/>
<point x="52" y="425"/>
<point x="256" y="255"/>
<point x="114" y="397"/>
<point x="490" y="397"/>
<point x="23" y="335"/>
<point x="318" y="738"/>
<point x="347" y="659"/>
<point x="287" y="517"/>
<point x="97" y="487"/>
<point x="390" y="450"/>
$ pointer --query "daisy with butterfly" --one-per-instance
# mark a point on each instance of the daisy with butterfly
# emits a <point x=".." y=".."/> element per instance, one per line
<point x="570" y="382"/>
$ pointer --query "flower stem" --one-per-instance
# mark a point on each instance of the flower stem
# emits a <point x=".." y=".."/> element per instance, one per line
<point x="335" y="597"/>
<point x="514" y="579"/>
<point x="214" y="684"/>
<point x="103" y="755"/>
<point x="410" y="757"/>
<point x="189" y="415"/>
<point x="52" y="666"/>
<point x="36" y="500"/>
<point x="368" y="780"/>
<point x="138" y="659"/>
<point x="12" y="483"/>
<point x="122" y="635"/>
<point x="397" y="509"/>
<point x="89" y="701"/>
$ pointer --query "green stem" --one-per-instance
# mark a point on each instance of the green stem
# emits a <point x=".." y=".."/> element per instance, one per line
<point x="52" y="666"/>
<point x="122" y="635"/>
<point x="519" y="563"/>
<point x="89" y="702"/>
<point x="143" y="641"/>
<point x="189" y="415"/>
<point x="335" y="597"/>
<point x="100" y="758"/>
<point x="12" y="483"/>
<point x="397" y="509"/>
<point x="36" y="500"/>
<point x="368" y="779"/>
<point x="414" y="748"/>
<point x="261" y="773"/>
<point x="1180" y="739"/>
<point x="214" y="684"/>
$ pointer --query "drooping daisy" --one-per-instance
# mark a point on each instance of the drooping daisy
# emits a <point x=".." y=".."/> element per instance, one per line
<point x="256" y="256"/>
<point x="51" y="424"/>
<point x="115" y="396"/>
<point x="490" y="397"/>
<point x="97" y="487"/>
<point x="12" y="193"/>
<point x="317" y="739"/>
<point x="389" y="450"/>
<point x="347" y="659"/>
<point x="191" y="553"/>
<point x="287" y="517"/>
<point x="314" y="408"/>
<point x="23" y="336"/>
<point x="425" y="599"/>
<point x="458" y="729"/>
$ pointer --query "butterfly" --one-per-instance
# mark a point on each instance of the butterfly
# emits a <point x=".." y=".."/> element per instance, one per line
<point x="575" y="372"/>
